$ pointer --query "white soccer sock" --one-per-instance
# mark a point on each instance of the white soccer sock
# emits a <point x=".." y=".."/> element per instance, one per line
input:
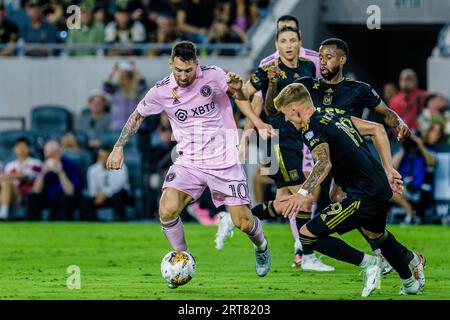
<point x="377" y="252"/>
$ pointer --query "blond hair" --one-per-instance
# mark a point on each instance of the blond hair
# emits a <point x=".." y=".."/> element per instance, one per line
<point x="295" y="92"/>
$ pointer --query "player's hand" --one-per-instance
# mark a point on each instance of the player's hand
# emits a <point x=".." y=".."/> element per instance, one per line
<point x="294" y="204"/>
<point x="234" y="81"/>
<point x="265" y="130"/>
<point x="273" y="74"/>
<point x="115" y="159"/>
<point x="403" y="131"/>
<point x="395" y="181"/>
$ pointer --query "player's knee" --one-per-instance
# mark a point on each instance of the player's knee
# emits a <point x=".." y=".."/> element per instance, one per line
<point x="372" y="235"/>
<point x="244" y="224"/>
<point x="168" y="210"/>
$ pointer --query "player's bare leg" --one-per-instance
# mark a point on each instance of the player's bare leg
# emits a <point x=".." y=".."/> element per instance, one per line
<point x="244" y="220"/>
<point x="171" y="204"/>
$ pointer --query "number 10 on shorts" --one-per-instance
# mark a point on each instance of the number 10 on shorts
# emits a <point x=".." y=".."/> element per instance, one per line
<point x="239" y="190"/>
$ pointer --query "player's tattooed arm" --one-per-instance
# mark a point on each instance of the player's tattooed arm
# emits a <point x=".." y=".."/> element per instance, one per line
<point x="299" y="201"/>
<point x="392" y="119"/>
<point x="322" y="167"/>
<point x="131" y="127"/>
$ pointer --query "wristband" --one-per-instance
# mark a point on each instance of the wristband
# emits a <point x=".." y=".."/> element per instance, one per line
<point x="303" y="192"/>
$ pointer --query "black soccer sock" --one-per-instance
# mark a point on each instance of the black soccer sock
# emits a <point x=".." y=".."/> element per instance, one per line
<point x="395" y="253"/>
<point x="372" y="244"/>
<point x="264" y="211"/>
<point x="301" y="219"/>
<point x="333" y="247"/>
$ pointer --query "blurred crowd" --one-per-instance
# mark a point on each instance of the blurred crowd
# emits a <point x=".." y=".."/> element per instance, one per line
<point x="62" y="168"/>
<point x="125" y="22"/>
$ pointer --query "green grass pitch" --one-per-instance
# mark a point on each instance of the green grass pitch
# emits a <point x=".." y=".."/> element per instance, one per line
<point x="122" y="261"/>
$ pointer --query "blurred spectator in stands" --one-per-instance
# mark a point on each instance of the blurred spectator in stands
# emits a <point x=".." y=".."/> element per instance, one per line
<point x="220" y="32"/>
<point x="146" y="12"/>
<point x="435" y="135"/>
<point x="165" y="34"/>
<point x="54" y="14"/>
<point x="389" y="90"/>
<point x="89" y="32"/>
<point x="194" y="17"/>
<point x="124" y="31"/>
<point x="99" y="15"/>
<point x="437" y="110"/>
<point x="18" y="178"/>
<point x="95" y="119"/>
<point x="106" y="188"/>
<point x="9" y="34"/>
<point x="69" y="143"/>
<point x="57" y="187"/>
<point x="409" y="102"/>
<point x="126" y="85"/>
<point x="412" y="161"/>
<point x="36" y="30"/>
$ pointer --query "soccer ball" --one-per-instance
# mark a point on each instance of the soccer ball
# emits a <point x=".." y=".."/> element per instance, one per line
<point x="177" y="268"/>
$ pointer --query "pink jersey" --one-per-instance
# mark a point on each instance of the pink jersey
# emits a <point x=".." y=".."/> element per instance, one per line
<point x="201" y="117"/>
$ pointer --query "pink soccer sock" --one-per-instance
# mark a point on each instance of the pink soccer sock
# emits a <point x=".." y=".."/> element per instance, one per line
<point x="256" y="233"/>
<point x="174" y="232"/>
<point x="294" y="229"/>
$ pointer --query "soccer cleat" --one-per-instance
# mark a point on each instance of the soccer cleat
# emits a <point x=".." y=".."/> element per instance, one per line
<point x="418" y="271"/>
<point x="386" y="267"/>
<point x="372" y="276"/>
<point x="410" y="287"/>
<point x="262" y="262"/>
<point x="312" y="263"/>
<point x="298" y="258"/>
<point x="224" y="230"/>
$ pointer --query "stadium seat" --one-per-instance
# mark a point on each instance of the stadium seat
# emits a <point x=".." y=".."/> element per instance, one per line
<point x="7" y="139"/>
<point x="50" y="121"/>
<point x="82" y="138"/>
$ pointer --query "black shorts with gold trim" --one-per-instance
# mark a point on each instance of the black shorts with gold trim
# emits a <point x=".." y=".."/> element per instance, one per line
<point x="349" y="214"/>
<point x="289" y="167"/>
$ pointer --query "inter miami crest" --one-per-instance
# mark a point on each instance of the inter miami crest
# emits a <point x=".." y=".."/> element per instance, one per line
<point x="205" y="91"/>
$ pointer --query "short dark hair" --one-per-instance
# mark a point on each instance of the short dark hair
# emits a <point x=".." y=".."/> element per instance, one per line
<point x="288" y="17"/>
<point x="339" y="43"/>
<point x="285" y="29"/>
<point x="22" y="140"/>
<point x="184" y="50"/>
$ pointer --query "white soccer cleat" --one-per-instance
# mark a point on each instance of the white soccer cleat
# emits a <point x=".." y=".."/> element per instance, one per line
<point x="386" y="267"/>
<point x="224" y="230"/>
<point x="372" y="277"/>
<point x="262" y="262"/>
<point x="410" y="287"/>
<point x="418" y="271"/>
<point x="312" y="263"/>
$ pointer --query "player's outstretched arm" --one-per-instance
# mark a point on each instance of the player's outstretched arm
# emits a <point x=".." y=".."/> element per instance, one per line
<point x="392" y="119"/>
<point x="381" y="143"/>
<point x="235" y="84"/>
<point x="115" y="159"/>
